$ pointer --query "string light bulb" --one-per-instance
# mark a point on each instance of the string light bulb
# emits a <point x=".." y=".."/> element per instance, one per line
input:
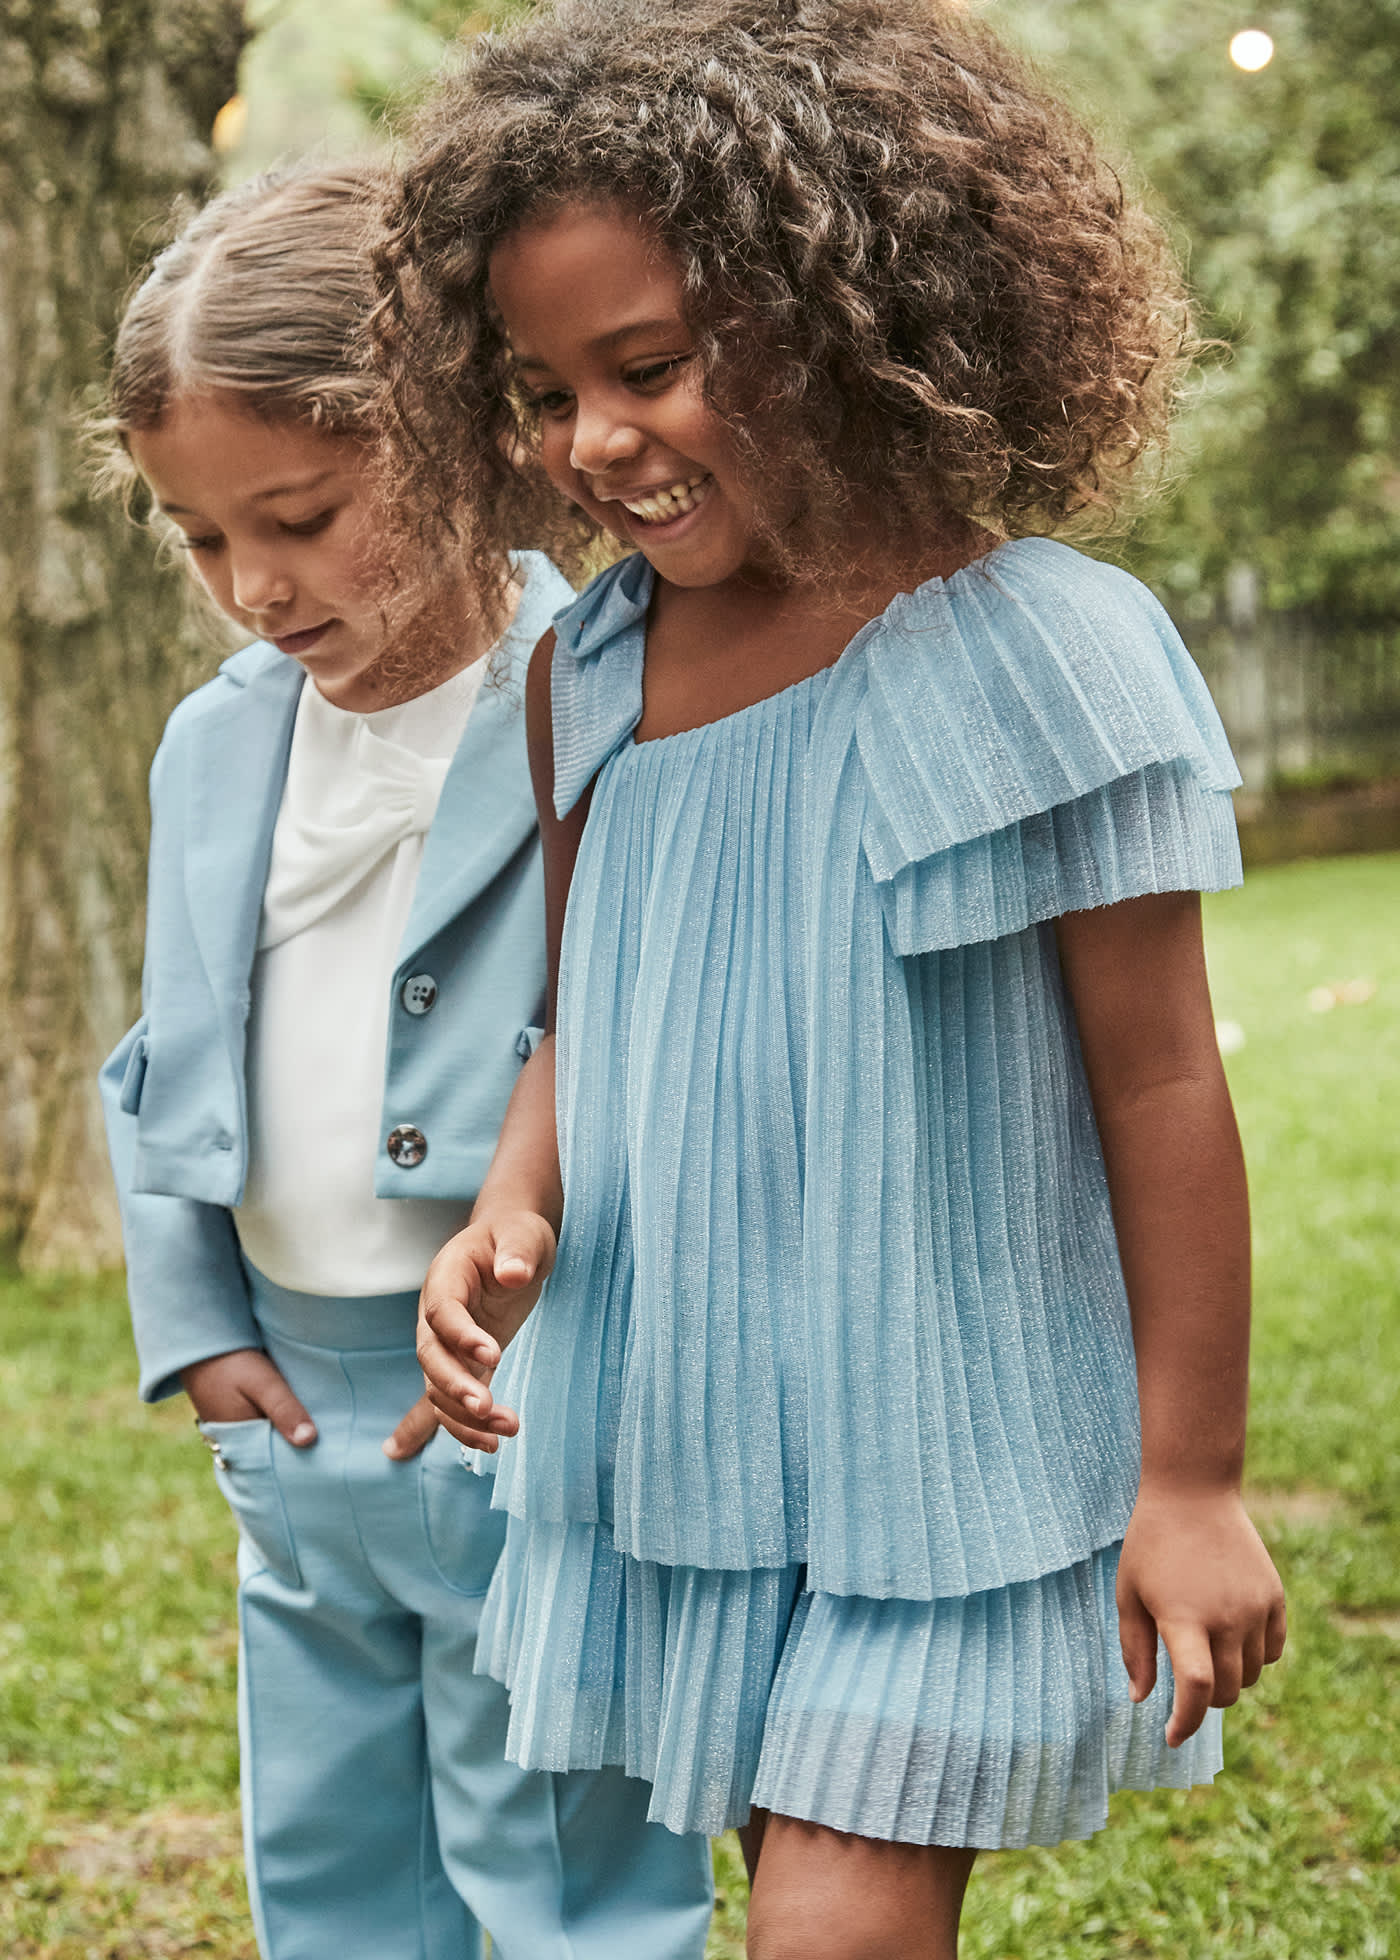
<point x="1251" y="50"/>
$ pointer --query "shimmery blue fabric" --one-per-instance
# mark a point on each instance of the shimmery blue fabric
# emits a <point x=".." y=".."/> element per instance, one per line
<point x="837" y="1287"/>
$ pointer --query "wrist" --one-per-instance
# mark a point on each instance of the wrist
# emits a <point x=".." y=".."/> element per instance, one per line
<point x="496" y="1203"/>
<point x="1176" y="1485"/>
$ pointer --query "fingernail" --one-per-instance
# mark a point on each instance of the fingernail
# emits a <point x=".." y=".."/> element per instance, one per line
<point x="305" y="1432"/>
<point x="390" y="1448"/>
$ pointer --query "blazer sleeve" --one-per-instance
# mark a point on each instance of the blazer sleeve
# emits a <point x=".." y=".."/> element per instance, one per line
<point x="184" y="1274"/>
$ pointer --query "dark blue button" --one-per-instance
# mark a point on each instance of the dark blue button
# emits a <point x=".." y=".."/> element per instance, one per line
<point x="418" y="993"/>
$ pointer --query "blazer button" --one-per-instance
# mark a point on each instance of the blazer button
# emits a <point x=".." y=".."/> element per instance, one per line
<point x="418" y="993"/>
<point x="407" y="1146"/>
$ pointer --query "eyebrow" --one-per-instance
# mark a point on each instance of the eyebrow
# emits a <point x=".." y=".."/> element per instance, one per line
<point x="262" y="496"/>
<point x="672" y="324"/>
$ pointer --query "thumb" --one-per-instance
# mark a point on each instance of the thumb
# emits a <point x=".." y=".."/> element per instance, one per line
<point x="267" y="1389"/>
<point x="417" y="1428"/>
<point x="1137" y="1636"/>
<point x="524" y="1249"/>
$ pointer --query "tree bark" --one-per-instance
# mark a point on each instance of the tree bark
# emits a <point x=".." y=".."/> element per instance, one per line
<point x="105" y="109"/>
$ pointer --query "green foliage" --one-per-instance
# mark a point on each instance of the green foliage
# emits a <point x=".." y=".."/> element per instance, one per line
<point x="117" y="1829"/>
<point x="334" y="80"/>
<point x="1283" y="189"/>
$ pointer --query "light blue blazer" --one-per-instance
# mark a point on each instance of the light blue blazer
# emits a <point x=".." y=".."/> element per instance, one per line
<point x="174" y="1091"/>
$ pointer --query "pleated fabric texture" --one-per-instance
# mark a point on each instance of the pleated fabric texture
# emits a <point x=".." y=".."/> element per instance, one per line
<point x="837" y="1288"/>
<point x="997" y="1720"/>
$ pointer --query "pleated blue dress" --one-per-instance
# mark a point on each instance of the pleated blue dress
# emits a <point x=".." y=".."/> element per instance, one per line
<point x="829" y="1429"/>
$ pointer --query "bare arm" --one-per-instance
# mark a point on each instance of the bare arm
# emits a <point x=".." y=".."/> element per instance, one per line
<point x="1193" y="1568"/>
<point x="484" y="1282"/>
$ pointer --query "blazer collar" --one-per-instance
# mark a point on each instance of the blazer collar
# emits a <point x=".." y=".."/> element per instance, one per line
<point x="485" y="815"/>
<point x="238" y="764"/>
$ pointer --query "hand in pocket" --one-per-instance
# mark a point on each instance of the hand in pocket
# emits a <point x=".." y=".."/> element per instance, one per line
<point x="242" y="1384"/>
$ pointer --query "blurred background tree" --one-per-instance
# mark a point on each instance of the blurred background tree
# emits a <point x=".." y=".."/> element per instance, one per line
<point x="1282" y="187"/>
<point x="105" y="113"/>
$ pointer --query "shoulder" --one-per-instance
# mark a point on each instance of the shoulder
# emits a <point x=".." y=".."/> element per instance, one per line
<point x="1063" y="599"/>
<point x="609" y="606"/>
<point x="539" y="722"/>
<point x="1021" y="683"/>
<point x="214" y="697"/>
<point x="257" y="675"/>
<point x="595" y="675"/>
<point x="544" y="591"/>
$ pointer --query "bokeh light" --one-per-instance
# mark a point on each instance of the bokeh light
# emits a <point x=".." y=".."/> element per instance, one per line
<point x="1251" y="50"/>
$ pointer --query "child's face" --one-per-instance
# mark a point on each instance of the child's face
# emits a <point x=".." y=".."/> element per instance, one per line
<point x="593" y="309"/>
<point x="275" y="518"/>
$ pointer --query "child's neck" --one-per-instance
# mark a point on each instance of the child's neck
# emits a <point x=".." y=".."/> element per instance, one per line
<point x="714" y="650"/>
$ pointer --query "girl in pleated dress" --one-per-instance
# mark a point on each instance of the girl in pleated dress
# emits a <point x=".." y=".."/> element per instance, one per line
<point x="872" y="1453"/>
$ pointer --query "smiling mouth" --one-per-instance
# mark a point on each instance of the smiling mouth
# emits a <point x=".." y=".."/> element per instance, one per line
<point x="676" y="500"/>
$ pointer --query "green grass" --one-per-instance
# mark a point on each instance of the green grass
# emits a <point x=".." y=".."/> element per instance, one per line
<point x="117" y="1829"/>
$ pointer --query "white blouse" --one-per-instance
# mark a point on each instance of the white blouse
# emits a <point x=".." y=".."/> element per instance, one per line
<point x="360" y="796"/>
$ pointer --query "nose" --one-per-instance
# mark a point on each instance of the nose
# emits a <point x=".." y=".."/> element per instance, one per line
<point x="260" y="581"/>
<point x="604" y="434"/>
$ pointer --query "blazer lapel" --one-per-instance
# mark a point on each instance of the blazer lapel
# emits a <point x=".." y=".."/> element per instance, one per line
<point x="486" y="812"/>
<point x="238" y="760"/>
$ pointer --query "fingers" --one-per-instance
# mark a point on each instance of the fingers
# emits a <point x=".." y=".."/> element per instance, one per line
<point x="417" y="1428"/>
<point x="268" y="1390"/>
<point x="1137" y="1635"/>
<point x="1252" y="1657"/>
<point x="244" y="1383"/>
<point x="470" y="1430"/>
<point x="453" y="1384"/>
<point x="1193" y="1671"/>
<point x="1228" y="1661"/>
<point x="1276" y="1633"/>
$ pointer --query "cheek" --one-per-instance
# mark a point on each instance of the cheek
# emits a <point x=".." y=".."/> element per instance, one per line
<point x="352" y="571"/>
<point x="211" y="576"/>
<point x="556" y="448"/>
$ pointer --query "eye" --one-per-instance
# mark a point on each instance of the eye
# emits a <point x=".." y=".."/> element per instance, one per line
<point x="187" y="543"/>
<point x="553" y="402"/>
<point x="652" y="376"/>
<point x="309" y="526"/>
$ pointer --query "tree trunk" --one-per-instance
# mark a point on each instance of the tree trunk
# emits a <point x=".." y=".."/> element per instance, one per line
<point x="105" y="109"/>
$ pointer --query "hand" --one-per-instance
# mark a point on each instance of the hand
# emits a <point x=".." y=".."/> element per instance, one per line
<point x="244" y="1383"/>
<point x="417" y="1429"/>
<point x="1194" y="1570"/>
<point x="477" y="1296"/>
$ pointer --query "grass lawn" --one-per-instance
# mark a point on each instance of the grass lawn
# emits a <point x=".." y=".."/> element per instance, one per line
<point x="118" y="1834"/>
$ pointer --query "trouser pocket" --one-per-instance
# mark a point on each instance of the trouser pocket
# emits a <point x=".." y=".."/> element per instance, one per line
<point x="246" y="1472"/>
<point x="464" y="1535"/>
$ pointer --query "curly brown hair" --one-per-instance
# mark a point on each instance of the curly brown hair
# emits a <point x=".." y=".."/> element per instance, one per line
<point x="916" y="287"/>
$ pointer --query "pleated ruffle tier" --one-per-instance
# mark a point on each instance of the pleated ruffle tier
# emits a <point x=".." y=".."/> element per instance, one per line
<point x="995" y="1720"/>
<point x="837" y="1287"/>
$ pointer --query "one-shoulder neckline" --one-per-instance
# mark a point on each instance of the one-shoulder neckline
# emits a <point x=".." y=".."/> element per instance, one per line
<point x="857" y="640"/>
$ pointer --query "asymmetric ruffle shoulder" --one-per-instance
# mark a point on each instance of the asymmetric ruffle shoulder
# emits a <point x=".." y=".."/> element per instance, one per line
<point x="837" y="1283"/>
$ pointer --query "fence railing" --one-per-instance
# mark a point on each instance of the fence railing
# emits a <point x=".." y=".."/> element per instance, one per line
<point x="1302" y="695"/>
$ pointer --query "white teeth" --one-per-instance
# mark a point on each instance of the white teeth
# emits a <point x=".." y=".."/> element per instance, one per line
<point x="662" y="505"/>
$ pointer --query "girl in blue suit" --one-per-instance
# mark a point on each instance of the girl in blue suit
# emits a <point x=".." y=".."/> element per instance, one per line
<point x="344" y="964"/>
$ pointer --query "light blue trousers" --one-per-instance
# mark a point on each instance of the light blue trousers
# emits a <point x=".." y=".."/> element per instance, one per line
<point x="381" y="1819"/>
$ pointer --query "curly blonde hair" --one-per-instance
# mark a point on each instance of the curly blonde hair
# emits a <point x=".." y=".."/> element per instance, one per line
<point x="916" y="287"/>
